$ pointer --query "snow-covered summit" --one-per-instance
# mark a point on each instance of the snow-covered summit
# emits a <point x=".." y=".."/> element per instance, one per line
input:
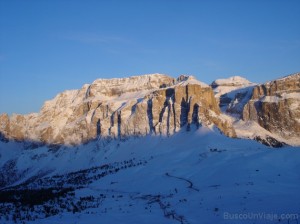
<point x="135" y="83"/>
<point x="231" y="81"/>
<point x="189" y="80"/>
<point x="224" y="86"/>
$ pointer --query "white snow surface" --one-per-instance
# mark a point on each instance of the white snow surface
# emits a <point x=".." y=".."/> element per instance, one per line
<point x="200" y="175"/>
<point x="233" y="81"/>
<point x="223" y="86"/>
<point x="283" y="96"/>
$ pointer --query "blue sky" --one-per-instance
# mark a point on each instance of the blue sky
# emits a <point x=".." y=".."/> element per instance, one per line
<point x="50" y="46"/>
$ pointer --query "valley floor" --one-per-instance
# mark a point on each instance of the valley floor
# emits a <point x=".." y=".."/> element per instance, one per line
<point x="199" y="176"/>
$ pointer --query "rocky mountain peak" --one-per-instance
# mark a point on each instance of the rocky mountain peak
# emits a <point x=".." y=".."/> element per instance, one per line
<point x="290" y="83"/>
<point x="119" y="108"/>
<point x="158" y="104"/>
<point x="189" y="79"/>
<point x="275" y="105"/>
<point x="117" y="86"/>
<point x="183" y="78"/>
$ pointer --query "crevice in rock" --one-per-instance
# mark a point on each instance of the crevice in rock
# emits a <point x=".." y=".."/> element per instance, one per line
<point x="150" y="116"/>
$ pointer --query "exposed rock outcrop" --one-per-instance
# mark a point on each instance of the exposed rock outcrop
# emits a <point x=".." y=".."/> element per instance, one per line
<point x="275" y="106"/>
<point x="117" y="108"/>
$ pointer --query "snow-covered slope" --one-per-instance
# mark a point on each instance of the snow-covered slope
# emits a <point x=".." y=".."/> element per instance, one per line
<point x="198" y="176"/>
<point x="233" y="93"/>
<point x="223" y="86"/>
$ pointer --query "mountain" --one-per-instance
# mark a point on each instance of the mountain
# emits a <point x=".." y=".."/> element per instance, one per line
<point x="268" y="113"/>
<point x="232" y="93"/>
<point x="275" y="106"/>
<point x="154" y="149"/>
<point x="223" y="86"/>
<point x="158" y="104"/>
<point x="118" y="108"/>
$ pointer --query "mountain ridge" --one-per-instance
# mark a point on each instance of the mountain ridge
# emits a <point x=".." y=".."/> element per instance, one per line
<point x="115" y="108"/>
<point x="137" y="105"/>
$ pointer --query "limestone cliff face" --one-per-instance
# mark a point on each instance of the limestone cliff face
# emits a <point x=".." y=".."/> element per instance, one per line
<point x="4" y="126"/>
<point x="116" y="108"/>
<point x="276" y="106"/>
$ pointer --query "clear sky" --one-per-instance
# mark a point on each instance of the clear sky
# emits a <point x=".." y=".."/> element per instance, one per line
<point x="52" y="45"/>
